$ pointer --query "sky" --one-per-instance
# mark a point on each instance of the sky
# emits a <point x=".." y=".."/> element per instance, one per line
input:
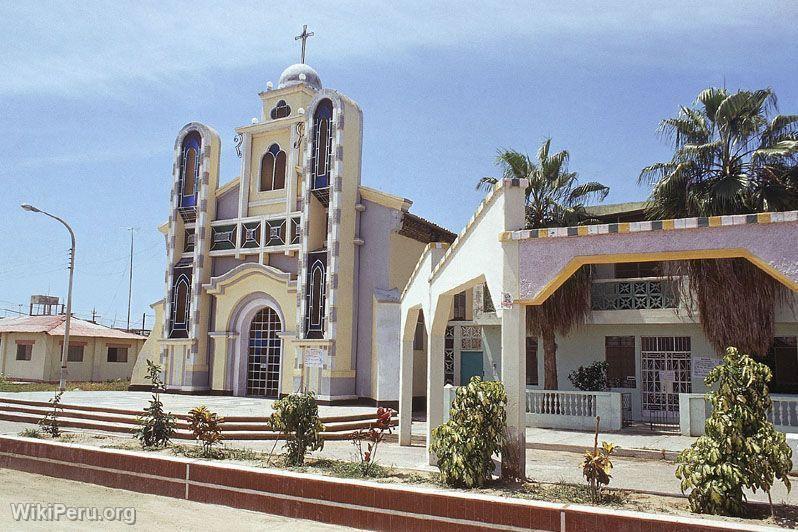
<point x="92" y="95"/>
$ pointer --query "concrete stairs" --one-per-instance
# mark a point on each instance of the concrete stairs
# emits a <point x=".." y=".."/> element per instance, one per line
<point x="125" y="421"/>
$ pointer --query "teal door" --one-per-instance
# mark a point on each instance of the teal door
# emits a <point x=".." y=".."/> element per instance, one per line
<point x="470" y="366"/>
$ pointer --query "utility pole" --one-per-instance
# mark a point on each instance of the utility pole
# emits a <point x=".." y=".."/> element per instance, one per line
<point x="130" y="278"/>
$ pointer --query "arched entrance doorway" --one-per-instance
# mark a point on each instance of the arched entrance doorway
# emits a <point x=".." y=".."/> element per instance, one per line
<point x="264" y="354"/>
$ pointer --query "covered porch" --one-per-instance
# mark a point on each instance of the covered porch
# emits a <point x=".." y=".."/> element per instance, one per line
<point x="524" y="267"/>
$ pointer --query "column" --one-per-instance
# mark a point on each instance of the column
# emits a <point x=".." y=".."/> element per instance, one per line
<point x="514" y="379"/>
<point x="435" y="347"/>
<point x="406" y="384"/>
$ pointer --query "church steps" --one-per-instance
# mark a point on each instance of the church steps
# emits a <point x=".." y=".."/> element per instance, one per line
<point x="125" y="421"/>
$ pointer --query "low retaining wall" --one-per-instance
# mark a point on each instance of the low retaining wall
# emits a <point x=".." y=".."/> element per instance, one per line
<point x="360" y="504"/>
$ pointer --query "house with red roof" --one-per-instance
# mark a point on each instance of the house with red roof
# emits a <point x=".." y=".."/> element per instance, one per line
<point x="31" y="346"/>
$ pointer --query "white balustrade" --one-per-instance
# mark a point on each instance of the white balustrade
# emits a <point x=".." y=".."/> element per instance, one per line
<point x="572" y="409"/>
<point x="694" y="408"/>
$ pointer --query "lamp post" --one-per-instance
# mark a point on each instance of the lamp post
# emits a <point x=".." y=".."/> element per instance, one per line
<point x="65" y="347"/>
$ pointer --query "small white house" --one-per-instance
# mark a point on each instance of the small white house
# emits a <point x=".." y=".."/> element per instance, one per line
<point x="30" y="350"/>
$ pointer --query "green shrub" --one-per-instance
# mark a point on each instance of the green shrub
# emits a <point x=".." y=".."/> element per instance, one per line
<point x="597" y="465"/>
<point x="206" y="428"/>
<point x="740" y="448"/>
<point x="30" y="433"/>
<point x="465" y="444"/>
<point x="156" y="427"/>
<point x="296" y="416"/>
<point x="49" y="423"/>
<point x="592" y="378"/>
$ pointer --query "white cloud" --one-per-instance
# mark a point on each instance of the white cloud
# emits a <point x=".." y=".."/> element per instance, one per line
<point x="75" y="48"/>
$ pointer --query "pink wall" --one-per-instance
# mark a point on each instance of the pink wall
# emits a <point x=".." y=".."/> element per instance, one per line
<point x="542" y="259"/>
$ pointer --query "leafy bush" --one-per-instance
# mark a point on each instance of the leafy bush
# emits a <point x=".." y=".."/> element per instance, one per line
<point x="592" y="378"/>
<point x="597" y="465"/>
<point x="49" y="423"/>
<point x="740" y="448"/>
<point x="372" y="437"/>
<point x="465" y="444"/>
<point x="156" y="427"/>
<point x="296" y="416"/>
<point x="206" y="428"/>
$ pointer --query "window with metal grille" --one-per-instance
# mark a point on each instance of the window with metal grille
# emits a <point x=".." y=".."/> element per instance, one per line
<point x="75" y="353"/>
<point x="619" y="352"/>
<point x="24" y="351"/>
<point x="117" y="354"/>
<point x="531" y="361"/>
<point x="263" y="362"/>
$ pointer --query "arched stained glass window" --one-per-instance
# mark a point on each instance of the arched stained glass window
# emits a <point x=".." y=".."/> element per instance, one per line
<point x="189" y="169"/>
<point x="181" y="305"/>
<point x="272" y="169"/>
<point x="322" y="144"/>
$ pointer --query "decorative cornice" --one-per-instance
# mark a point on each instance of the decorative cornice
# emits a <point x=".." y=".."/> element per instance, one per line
<point x="656" y="225"/>
<point x="383" y="198"/>
<point x="217" y="285"/>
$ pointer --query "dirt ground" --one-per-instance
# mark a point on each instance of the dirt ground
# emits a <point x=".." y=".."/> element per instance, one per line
<point x="152" y="512"/>
<point x="562" y="491"/>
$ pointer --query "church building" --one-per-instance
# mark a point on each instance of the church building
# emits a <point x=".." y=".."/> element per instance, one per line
<point x="285" y="277"/>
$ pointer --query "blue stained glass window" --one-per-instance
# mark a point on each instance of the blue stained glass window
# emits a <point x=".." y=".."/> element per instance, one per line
<point x="189" y="169"/>
<point x="322" y="144"/>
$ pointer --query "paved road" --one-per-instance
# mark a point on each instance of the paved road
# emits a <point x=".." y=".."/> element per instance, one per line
<point x="152" y="512"/>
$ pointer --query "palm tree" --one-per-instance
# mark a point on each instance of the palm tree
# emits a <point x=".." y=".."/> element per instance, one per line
<point x="730" y="157"/>
<point x="554" y="198"/>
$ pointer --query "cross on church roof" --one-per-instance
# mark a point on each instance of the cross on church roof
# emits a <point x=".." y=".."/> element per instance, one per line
<point x="304" y="36"/>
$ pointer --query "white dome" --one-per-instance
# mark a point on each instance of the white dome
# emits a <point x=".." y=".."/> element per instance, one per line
<point x="299" y="73"/>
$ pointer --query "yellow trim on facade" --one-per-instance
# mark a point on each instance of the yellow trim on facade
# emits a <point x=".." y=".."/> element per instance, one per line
<point x="578" y="262"/>
<point x="383" y="198"/>
<point x="715" y="221"/>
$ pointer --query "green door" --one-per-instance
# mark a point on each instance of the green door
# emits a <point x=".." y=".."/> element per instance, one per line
<point x="470" y="366"/>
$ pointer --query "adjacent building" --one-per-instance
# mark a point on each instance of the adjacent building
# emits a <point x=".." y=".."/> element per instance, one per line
<point x="31" y="348"/>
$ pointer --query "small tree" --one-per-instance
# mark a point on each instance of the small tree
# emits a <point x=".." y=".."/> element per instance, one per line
<point x="206" y="428"/>
<point x="49" y="423"/>
<point x="372" y="437"/>
<point x="740" y="448"/>
<point x="597" y="465"/>
<point x="592" y="378"/>
<point x="296" y="416"/>
<point x="465" y="444"/>
<point x="156" y="427"/>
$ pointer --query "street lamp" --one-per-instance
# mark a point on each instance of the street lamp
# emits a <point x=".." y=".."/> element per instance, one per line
<point x="65" y="349"/>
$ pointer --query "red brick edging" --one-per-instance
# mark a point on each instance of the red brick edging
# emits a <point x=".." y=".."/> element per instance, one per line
<point x="360" y="504"/>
